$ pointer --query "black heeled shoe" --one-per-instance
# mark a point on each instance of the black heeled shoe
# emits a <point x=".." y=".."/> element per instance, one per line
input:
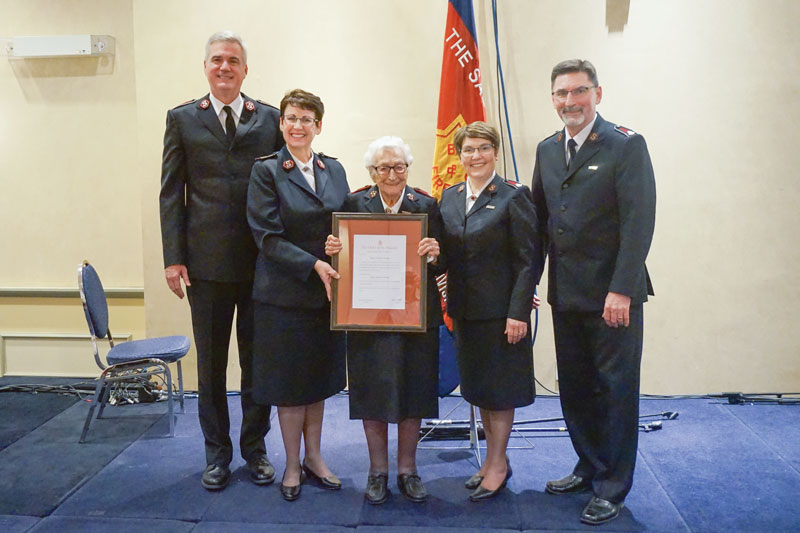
<point x="328" y="482"/>
<point x="482" y="493"/>
<point x="476" y="479"/>
<point x="291" y="493"/>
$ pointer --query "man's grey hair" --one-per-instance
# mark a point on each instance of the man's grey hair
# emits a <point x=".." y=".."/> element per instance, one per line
<point x="227" y="36"/>
<point x="574" y="65"/>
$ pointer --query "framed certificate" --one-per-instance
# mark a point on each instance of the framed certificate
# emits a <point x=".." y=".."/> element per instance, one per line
<point x="383" y="280"/>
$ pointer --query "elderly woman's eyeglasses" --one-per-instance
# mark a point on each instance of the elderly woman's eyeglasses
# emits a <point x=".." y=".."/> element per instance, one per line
<point x="483" y="149"/>
<point x="304" y="121"/>
<point x="384" y="170"/>
<point x="577" y="92"/>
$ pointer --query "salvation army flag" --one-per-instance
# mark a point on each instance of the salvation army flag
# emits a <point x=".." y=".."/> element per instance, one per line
<point x="460" y="93"/>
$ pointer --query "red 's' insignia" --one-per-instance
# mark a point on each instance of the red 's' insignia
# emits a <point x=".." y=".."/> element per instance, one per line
<point x="288" y="164"/>
<point x="492" y="188"/>
<point x="204" y="104"/>
<point x="558" y="139"/>
<point x="593" y="136"/>
<point x="320" y="164"/>
<point x="249" y="105"/>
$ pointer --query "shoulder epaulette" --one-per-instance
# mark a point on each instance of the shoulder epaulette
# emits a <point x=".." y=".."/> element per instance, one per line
<point x="265" y="103"/>
<point x="423" y="192"/>
<point x="625" y="131"/>
<point x="361" y="189"/>
<point x="273" y="155"/>
<point x="512" y="184"/>
<point x="325" y="155"/>
<point x="187" y="102"/>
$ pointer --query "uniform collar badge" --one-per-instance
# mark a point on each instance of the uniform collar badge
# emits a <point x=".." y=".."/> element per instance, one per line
<point x="205" y="103"/>
<point x="461" y="188"/>
<point x="288" y="164"/>
<point x="320" y="164"/>
<point x="373" y="193"/>
<point x="492" y="187"/>
<point x="593" y="136"/>
<point x="249" y="105"/>
<point x="560" y="136"/>
<point x="410" y="197"/>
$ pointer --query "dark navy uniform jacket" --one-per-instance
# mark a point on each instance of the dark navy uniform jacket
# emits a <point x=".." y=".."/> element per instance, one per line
<point x="290" y="222"/>
<point x="204" y="188"/>
<point x="368" y="200"/>
<point x="597" y="217"/>
<point x="490" y="252"/>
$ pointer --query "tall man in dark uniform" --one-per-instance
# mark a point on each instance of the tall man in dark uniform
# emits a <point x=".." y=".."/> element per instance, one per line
<point x="594" y="191"/>
<point x="210" y="145"/>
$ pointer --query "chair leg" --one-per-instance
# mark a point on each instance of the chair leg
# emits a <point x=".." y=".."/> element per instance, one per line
<point x="168" y="375"/>
<point x="98" y="391"/>
<point x="104" y="396"/>
<point x="180" y="387"/>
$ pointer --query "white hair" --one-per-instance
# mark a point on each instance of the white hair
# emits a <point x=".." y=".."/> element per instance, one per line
<point x="387" y="143"/>
<point x="227" y="36"/>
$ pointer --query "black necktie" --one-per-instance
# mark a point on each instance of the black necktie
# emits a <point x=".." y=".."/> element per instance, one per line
<point x="571" y="144"/>
<point x="230" y="124"/>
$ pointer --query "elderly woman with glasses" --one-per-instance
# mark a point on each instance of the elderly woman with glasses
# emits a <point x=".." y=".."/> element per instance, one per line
<point x="489" y="241"/>
<point x="393" y="377"/>
<point x="297" y="360"/>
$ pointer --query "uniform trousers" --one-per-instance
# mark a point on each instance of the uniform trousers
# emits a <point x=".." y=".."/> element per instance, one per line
<point x="598" y="375"/>
<point x="212" y="304"/>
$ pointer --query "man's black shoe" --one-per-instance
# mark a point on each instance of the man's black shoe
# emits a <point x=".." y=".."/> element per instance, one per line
<point x="569" y="484"/>
<point x="376" y="492"/>
<point x="599" y="511"/>
<point x="215" y="477"/>
<point x="261" y="471"/>
<point x="412" y="488"/>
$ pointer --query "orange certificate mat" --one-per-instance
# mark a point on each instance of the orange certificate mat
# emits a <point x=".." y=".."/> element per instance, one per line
<point x="383" y="280"/>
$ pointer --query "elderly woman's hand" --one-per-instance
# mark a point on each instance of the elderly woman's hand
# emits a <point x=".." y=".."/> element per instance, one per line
<point x="428" y="246"/>
<point x="326" y="273"/>
<point x="332" y="245"/>
<point x="516" y="330"/>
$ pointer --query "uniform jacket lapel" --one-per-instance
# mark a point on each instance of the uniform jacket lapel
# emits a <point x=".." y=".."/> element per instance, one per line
<point x="293" y="174"/>
<point x="210" y="119"/>
<point x="485" y="197"/>
<point x="373" y="204"/>
<point x="589" y="148"/>
<point x="321" y="175"/>
<point x="246" y="121"/>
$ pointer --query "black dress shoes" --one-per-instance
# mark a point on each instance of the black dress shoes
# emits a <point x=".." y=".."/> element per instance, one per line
<point x="599" y="511"/>
<point x="291" y="493"/>
<point x="261" y="471"/>
<point x="567" y="485"/>
<point x="215" y="477"/>
<point x="473" y="482"/>
<point x="412" y="488"/>
<point x="482" y="493"/>
<point x="328" y="483"/>
<point x="376" y="492"/>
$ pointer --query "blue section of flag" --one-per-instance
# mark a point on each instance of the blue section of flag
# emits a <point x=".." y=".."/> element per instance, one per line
<point x="464" y="10"/>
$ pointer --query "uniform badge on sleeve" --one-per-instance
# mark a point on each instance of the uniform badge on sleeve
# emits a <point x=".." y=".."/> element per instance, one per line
<point x="288" y="164"/>
<point x="320" y="164"/>
<point x="205" y="103"/>
<point x="249" y="105"/>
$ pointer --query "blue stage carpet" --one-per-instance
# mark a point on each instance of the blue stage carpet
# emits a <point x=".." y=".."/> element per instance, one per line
<point x="717" y="467"/>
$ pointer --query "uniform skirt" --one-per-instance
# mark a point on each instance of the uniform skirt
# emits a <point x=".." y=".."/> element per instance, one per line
<point x="297" y="359"/>
<point x="494" y="374"/>
<point x="393" y="376"/>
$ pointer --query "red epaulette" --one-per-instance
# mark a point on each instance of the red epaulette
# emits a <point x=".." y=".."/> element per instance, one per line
<point x="273" y="155"/>
<point x="423" y="192"/>
<point x="625" y="131"/>
<point x="364" y="188"/>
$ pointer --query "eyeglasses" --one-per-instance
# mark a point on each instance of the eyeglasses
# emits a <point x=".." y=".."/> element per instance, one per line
<point x="384" y="170"/>
<point x="577" y="92"/>
<point x="304" y="121"/>
<point x="483" y="149"/>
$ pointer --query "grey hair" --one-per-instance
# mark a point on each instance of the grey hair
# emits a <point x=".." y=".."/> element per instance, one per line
<point x="574" y="65"/>
<point x="227" y="36"/>
<point x="387" y="143"/>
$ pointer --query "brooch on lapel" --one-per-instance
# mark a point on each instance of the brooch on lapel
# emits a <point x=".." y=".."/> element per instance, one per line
<point x="320" y="164"/>
<point x="288" y="164"/>
<point x="593" y="137"/>
<point x="249" y="105"/>
<point x="560" y="136"/>
<point x="492" y="188"/>
<point x="373" y="193"/>
<point x="461" y="188"/>
<point x="411" y="197"/>
<point x="204" y="104"/>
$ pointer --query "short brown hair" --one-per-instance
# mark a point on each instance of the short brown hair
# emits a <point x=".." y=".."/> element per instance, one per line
<point x="304" y="100"/>
<point x="479" y="130"/>
<point x="574" y="65"/>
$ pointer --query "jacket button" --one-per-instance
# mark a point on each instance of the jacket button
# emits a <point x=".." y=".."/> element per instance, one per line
<point x="563" y="208"/>
<point x="560" y="231"/>
<point x="565" y="186"/>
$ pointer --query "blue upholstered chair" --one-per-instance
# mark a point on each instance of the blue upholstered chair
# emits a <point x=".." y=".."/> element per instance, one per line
<point x="128" y="362"/>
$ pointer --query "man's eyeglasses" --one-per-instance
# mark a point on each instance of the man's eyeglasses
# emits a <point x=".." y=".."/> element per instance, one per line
<point x="483" y="149"/>
<point x="384" y="170"/>
<point x="577" y="92"/>
<point x="304" y="121"/>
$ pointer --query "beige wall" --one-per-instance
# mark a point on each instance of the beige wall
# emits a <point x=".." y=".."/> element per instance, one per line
<point x="699" y="79"/>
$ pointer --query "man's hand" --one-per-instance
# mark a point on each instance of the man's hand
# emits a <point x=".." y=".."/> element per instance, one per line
<point x="516" y="330"/>
<point x="616" y="312"/>
<point x="174" y="275"/>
